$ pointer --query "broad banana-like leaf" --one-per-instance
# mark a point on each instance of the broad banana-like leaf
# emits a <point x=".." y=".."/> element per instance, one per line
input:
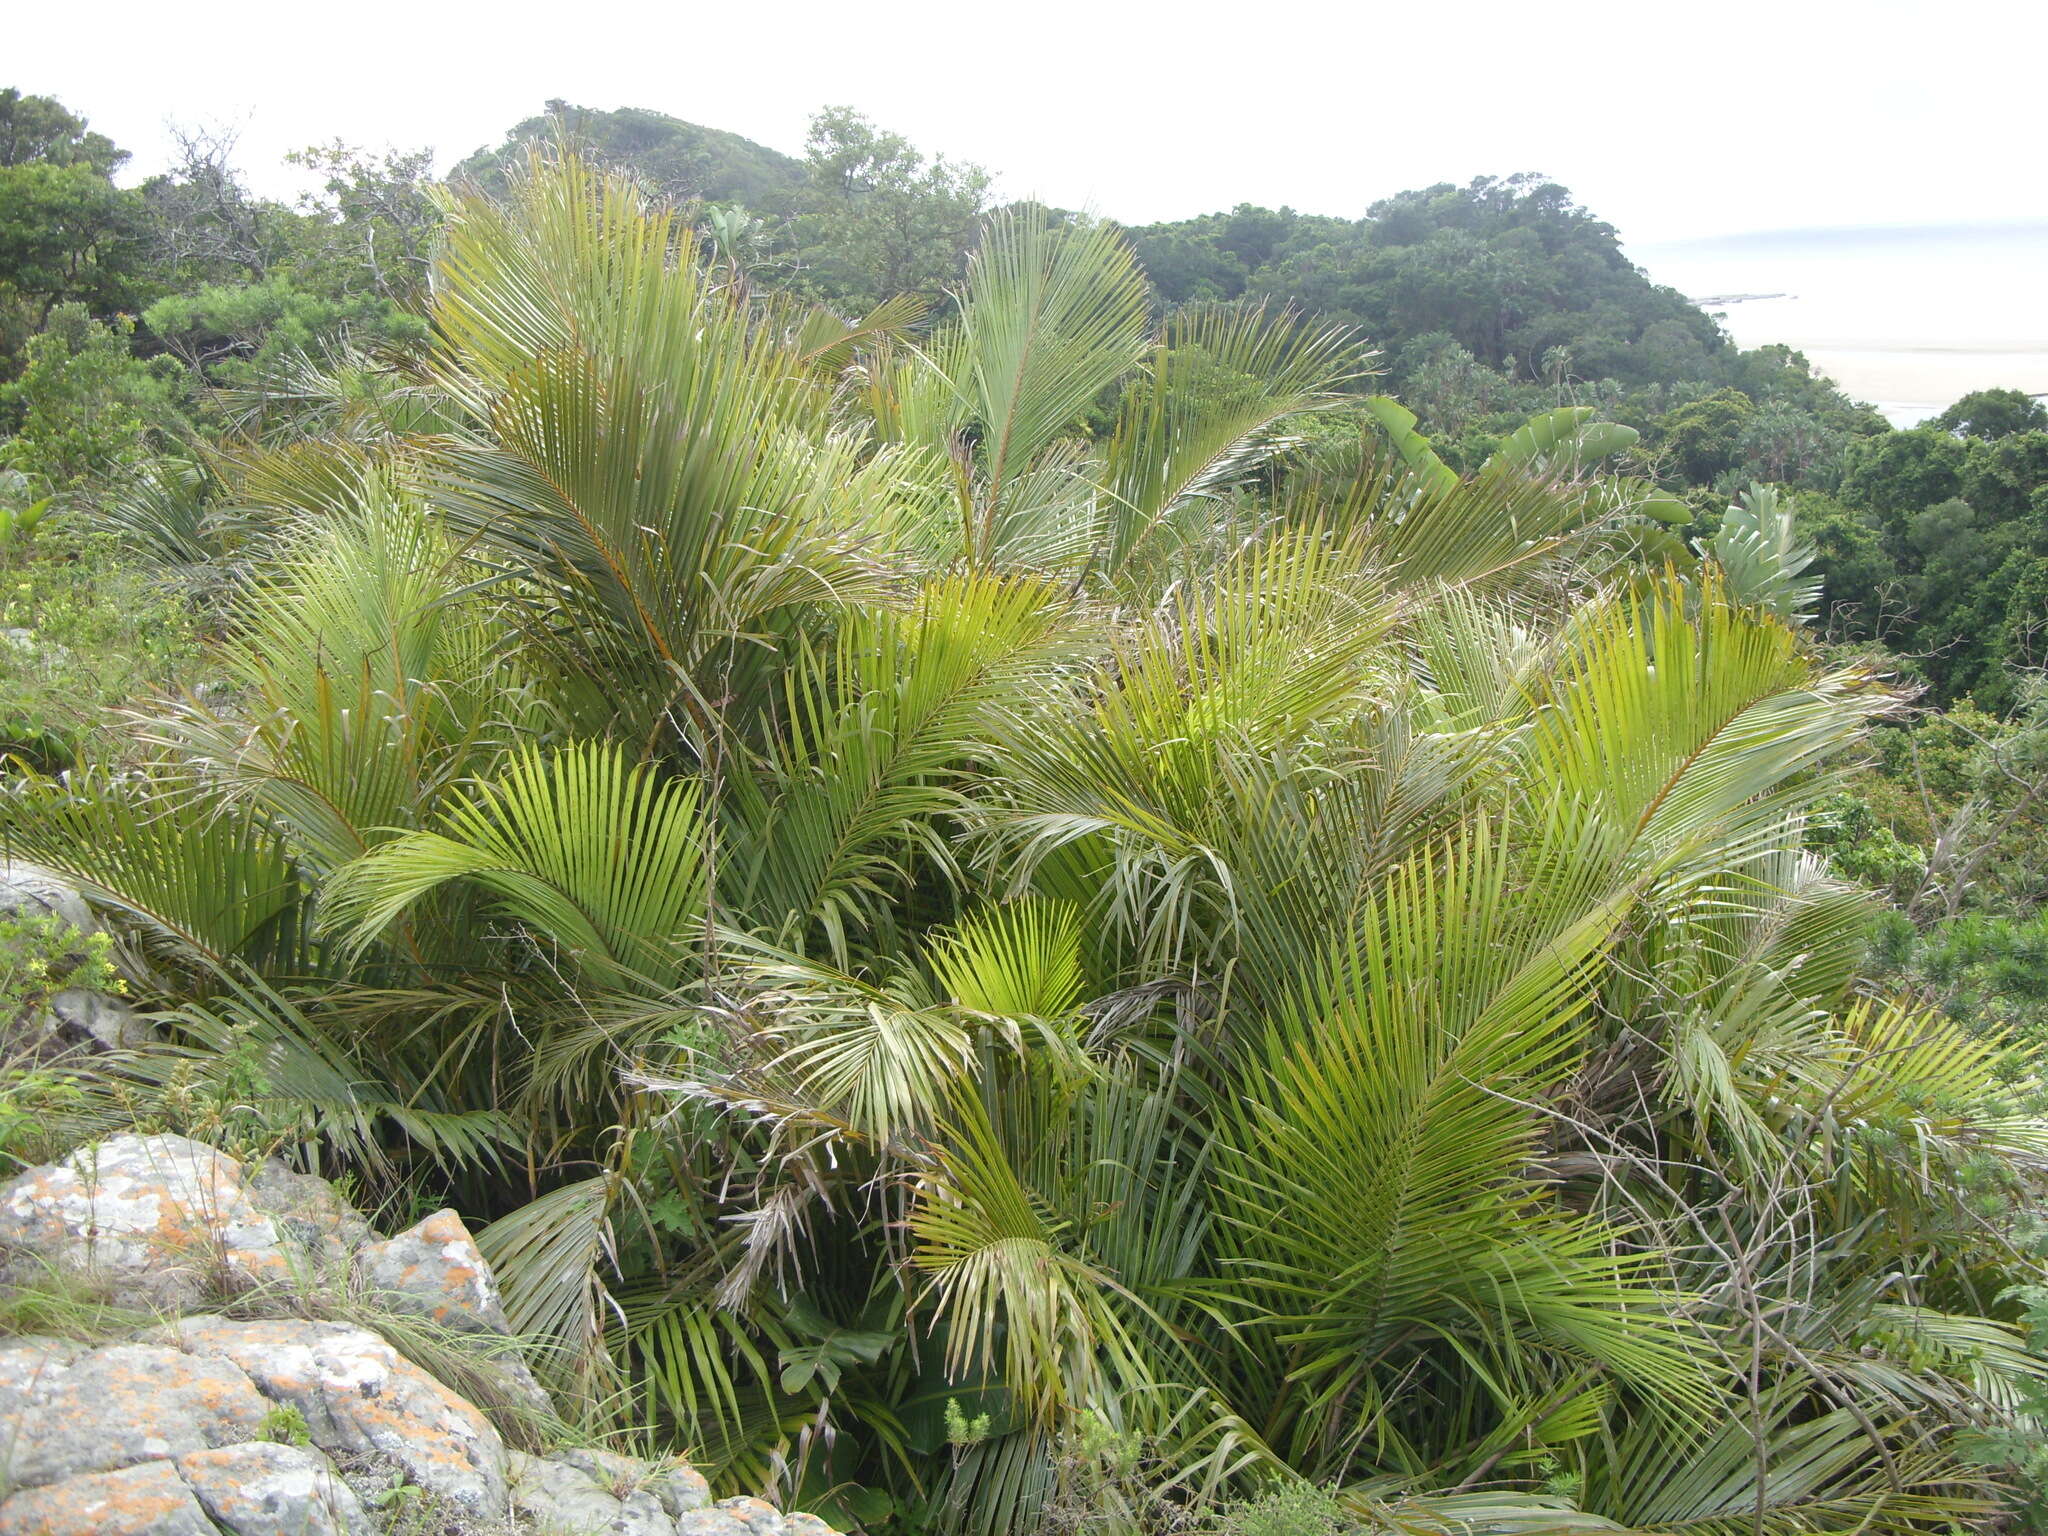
<point x="1760" y="548"/>
<point x="1398" y="422"/>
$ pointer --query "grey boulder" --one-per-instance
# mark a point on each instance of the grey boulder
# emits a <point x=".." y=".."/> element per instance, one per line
<point x="146" y="1500"/>
<point x="263" y="1489"/>
<point x="433" y="1270"/>
<point x="359" y="1395"/>
<point x="122" y="1404"/>
<point x="161" y="1221"/>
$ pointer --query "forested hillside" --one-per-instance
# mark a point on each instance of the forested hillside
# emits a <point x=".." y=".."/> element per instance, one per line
<point x="674" y="160"/>
<point x="1271" y="875"/>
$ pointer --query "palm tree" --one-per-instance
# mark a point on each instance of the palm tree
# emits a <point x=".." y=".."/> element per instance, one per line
<point x="971" y="921"/>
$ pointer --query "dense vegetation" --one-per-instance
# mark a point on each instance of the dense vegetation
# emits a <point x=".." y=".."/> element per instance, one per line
<point x="1015" y="897"/>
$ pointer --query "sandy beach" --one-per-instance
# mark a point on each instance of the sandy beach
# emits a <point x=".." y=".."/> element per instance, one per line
<point x="1908" y="319"/>
<point x="1912" y="383"/>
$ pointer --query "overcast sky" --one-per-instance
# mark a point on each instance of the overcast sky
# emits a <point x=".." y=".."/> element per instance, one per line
<point x="1670" y="120"/>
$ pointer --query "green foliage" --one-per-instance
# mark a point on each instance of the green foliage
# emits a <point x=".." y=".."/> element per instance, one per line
<point x="1864" y="848"/>
<point x="676" y="160"/>
<point x="1503" y="298"/>
<point x="19" y="512"/>
<point x="600" y="862"/>
<point x="1895" y="475"/>
<point x="2021" y="1455"/>
<point x="40" y="954"/>
<point x="1989" y="970"/>
<point x="37" y="129"/>
<point x="874" y="219"/>
<point x="85" y="631"/>
<point x="67" y="1305"/>
<point x="1298" y="1509"/>
<point x="1764" y="555"/>
<point x="67" y="233"/>
<point x="961" y="1431"/>
<point x="1935" y="544"/>
<point x="284" y="1424"/>
<point x="85" y="408"/>
<point x="240" y="334"/>
<point x="41" y="1109"/>
<point x="1704" y="438"/>
<point x="1510" y="268"/>
<point x="982" y="934"/>
<point x="1994" y="413"/>
<point x="1862" y="588"/>
<point x="378" y="218"/>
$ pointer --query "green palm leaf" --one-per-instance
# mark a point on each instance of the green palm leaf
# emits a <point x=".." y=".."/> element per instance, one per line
<point x="206" y="881"/>
<point x="1050" y="317"/>
<point x="602" y="860"/>
<point x="1373" y="1174"/>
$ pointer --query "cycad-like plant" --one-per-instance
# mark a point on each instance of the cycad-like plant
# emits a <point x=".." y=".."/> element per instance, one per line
<point x="997" y="937"/>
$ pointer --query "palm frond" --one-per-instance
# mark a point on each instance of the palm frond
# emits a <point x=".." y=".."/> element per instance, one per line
<point x="602" y="860"/>
<point x="1221" y="380"/>
<point x="1050" y="317"/>
<point x="205" y="880"/>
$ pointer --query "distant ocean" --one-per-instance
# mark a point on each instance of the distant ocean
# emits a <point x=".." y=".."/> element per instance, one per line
<point x="1910" y="319"/>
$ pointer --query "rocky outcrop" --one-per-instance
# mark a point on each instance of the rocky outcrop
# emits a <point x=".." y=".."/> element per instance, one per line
<point x="357" y="1395"/>
<point x="202" y="1433"/>
<point x="101" y="1410"/>
<point x="262" y="1487"/>
<point x="30" y="891"/>
<point x="679" y="1486"/>
<point x="146" y="1500"/>
<point x="159" y="1221"/>
<point x="166" y="1222"/>
<point x="267" y="1425"/>
<point x="96" y="1021"/>
<point x="320" y="1228"/>
<point x="73" y="1020"/>
<point x="434" y="1271"/>
<point x="598" y="1490"/>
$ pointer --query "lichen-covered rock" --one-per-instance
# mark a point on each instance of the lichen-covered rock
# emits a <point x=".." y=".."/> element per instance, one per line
<point x="359" y="1395"/>
<point x="759" y="1516"/>
<point x="553" y="1495"/>
<point x="433" y="1270"/>
<point x="122" y="1404"/>
<point x="521" y="1389"/>
<point x="309" y="1213"/>
<point x="162" y="1221"/>
<point x="590" y="1490"/>
<point x="28" y="1364"/>
<point x="77" y="1020"/>
<point x="676" y="1485"/>
<point x="261" y="1489"/>
<point x="712" y="1522"/>
<point x="147" y="1500"/>
<point x="799" y="1523"/>
<point x="616" y="1474"/>
<point x="97" y="1020"/>
<point x="169" y="1432"/>
<point x="681" y="1488"/>
<point x="641" y="1514"/>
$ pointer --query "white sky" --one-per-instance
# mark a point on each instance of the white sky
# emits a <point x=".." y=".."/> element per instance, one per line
<point x="1670" y="120"/>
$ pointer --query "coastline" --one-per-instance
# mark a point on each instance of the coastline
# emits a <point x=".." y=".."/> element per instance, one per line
<point x="1908" y="379"/>
<point x="1909" y="319"/>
